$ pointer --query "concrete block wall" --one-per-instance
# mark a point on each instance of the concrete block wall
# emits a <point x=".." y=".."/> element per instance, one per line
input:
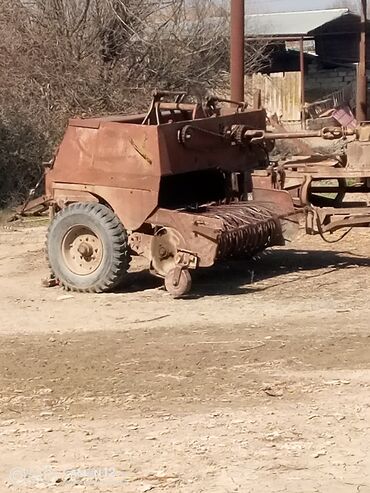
<point x="320" y="82"/>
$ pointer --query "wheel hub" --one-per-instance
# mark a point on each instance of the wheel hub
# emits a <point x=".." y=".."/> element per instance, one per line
<point x="82" y="250"/>
<point x="85" y="250"/>
<point x="178" y="282"/>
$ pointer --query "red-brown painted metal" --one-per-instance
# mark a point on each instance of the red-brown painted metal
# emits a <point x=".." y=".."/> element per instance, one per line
<point x="139" y="165"/>
<point x="192" y="184"/>
<point x="361" y="95"/>
<point x="237" y="18"/>
<point x="121" y="161"/>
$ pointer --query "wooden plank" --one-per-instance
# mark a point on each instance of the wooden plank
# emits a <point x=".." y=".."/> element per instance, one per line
<point x="280" y="93"/>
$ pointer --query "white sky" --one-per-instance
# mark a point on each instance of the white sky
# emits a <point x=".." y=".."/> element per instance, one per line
<point x="262" y="6"/>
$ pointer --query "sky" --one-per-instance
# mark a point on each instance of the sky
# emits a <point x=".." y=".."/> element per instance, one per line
<point x="263" y="6"/>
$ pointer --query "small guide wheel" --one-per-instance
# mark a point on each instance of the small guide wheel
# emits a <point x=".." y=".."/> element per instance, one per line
<point x="178" y="282"/>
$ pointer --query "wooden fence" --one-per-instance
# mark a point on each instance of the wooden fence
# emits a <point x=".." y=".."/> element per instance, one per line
<point x="280" y="92"/>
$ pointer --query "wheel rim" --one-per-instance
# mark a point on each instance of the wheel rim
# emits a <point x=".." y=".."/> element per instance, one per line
<point x="82" y="250"/>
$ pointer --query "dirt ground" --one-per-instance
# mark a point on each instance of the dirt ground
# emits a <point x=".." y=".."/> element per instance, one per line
<point x="258" y="382"/>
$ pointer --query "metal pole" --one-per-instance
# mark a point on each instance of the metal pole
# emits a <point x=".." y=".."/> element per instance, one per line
<point x="237" y="19"/>
<point x="361" y="100"/>
<point x="303" y="87"/>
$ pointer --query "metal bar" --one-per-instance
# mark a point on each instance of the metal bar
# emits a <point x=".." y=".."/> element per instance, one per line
<point x="27" y="207"/>
<point x="303" y="87"/>
<point x="317" y="173"/>
<point x="334" y="189"/>
<point x="292" y="135"/>
<point x="350" y="222"/>
<point x="297" y="36"/>
<point x="277" y="38"/>
<point x="361" y="100"/>
<point x="327" y="133"/>
<point x="345" y="211"/>
<point x="237" y="50"/>
<point x="177" y="106"/>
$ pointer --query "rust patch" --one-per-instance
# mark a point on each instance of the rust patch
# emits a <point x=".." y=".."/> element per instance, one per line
<point x="140" y="152"/>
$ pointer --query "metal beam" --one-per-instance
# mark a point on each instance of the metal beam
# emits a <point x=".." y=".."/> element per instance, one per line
<point x="237" y="50"/>
<point x="361" y="100"/>
<point x="303" y="85"/>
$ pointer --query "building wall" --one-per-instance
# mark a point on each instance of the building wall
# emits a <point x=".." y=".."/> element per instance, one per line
<point x="321" y="82"/>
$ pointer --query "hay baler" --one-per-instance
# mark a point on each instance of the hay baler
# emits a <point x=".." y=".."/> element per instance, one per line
<point x="173" y="185"/>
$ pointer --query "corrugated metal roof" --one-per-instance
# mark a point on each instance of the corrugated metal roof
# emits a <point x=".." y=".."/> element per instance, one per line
<point x="290" y="23"/>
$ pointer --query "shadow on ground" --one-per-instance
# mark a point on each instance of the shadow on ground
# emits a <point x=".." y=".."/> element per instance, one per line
<point x="239" y="276"/>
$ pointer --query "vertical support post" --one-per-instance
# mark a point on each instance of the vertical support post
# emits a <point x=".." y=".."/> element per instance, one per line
<point x="257" y="100"/>
<point x="361" y="99"/>
<point x="303" y="86"/>
<point x="237" y="19"/>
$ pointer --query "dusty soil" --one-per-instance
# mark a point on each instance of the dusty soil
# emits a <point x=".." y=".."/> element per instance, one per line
<point x="259" y="381"/>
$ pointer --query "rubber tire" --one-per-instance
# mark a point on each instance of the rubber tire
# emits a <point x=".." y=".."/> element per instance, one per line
<point x="104" y="223"/>
<point x="184" y="287"/>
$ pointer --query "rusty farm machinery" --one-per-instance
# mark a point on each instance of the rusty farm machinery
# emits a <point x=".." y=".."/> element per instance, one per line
<point x="186" y="185"/>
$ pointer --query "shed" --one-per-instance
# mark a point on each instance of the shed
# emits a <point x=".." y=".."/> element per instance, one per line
<point x="292" y="24"/>
<point x="335" y="33"/>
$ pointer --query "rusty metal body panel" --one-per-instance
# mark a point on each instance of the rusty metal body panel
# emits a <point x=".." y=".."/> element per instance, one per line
<point x="358" y="155"/>
<point x="122" y="163"/>
<point x="176" y="159"/>
<point x="105" y="160"/>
